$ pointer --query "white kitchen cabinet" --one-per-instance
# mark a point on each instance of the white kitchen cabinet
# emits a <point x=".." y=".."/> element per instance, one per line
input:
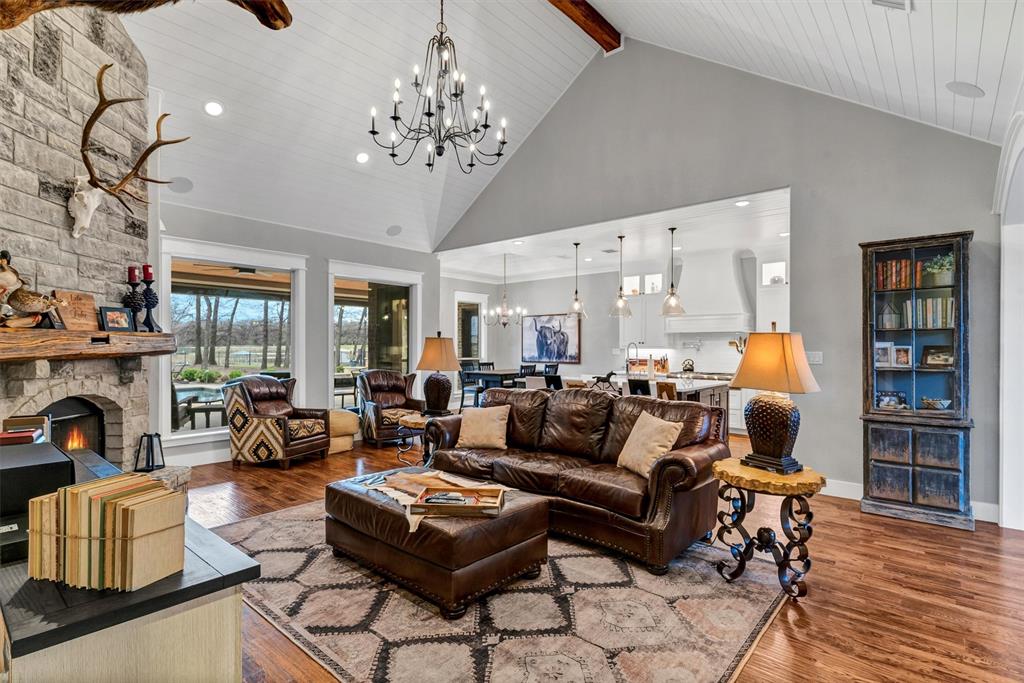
<point x="736" y="405"/>
<point x="646" y="327"/>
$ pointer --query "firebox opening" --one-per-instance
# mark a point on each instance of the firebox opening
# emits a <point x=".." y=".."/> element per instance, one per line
<point x="76" y="423"/>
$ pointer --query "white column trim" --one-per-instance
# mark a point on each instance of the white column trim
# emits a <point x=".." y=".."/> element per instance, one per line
<point x="1011" y="377"/>
<point x="350" y="270"/>
<point x="1012" y="150"/>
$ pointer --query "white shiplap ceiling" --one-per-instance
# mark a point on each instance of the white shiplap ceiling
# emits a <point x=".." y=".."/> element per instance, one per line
<point x="297" y="101"/>
<point x="891" y="60"/>
<point x="297" y="105"/>
<point x="761" y="225"/>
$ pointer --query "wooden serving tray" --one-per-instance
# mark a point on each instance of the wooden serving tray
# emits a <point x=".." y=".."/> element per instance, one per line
<point x="488" y="502"/>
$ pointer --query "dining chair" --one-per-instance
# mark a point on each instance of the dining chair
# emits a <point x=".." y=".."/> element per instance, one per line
<point x="528" y="370"/>
<point x="486" y="366"/>
<point x="667" y="391"/>
<point x="551" y="368"/>
<point x="469" y="387"/>
<point x="639" y="387"/>
<point x="553" y="381"/>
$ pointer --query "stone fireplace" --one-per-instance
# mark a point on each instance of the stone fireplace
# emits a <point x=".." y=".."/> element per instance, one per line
<point x="113" y="392"/>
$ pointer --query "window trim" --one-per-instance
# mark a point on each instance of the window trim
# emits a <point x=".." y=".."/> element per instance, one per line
<point x="350" y="270"/>
<point x="217" y="252"/>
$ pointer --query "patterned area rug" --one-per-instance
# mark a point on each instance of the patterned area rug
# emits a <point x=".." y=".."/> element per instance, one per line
<point x="590" y="617"/>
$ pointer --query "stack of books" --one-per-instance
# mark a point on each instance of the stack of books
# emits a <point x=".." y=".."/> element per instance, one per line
<point x="122" y="532"/>
<point x="20" y="435"/>
<point x="893" y="274"/>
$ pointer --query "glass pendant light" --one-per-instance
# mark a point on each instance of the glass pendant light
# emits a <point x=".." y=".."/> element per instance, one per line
<point x="576" y="307"/>
<point x="672" y="306"/>
<point x="620" y="309"/>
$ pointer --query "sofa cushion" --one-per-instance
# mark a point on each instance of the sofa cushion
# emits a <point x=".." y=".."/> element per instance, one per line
<point x="273" y="408"/>
<point x="305" y="428"/>
<point x="526" y="416"/>
<point x="389" y="417"/>
<point x="606" y="486"/>
<point x="484" y="428"/>
<point x="695" y="418"/>
<point x="471" y="462"/>
<point x="533" y="470"/>
<point x="575" y="422"/>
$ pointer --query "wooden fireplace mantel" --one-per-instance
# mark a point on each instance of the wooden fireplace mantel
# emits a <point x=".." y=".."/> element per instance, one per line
<point x="28" y="345"/>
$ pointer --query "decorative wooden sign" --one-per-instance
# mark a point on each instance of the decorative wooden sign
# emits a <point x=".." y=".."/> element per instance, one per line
<point x="80" y="312"/>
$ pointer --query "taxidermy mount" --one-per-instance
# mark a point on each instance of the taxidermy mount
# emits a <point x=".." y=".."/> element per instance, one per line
<point x="273" y="14"/>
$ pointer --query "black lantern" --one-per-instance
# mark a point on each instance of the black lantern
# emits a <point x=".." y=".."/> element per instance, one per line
<point x="149" y="455"/>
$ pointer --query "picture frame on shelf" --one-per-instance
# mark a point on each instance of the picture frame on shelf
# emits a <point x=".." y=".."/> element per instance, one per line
<point x="891" y="400"/>
<point x="937" y="357"/>
<point x="883" y="354"/>
<point x="902" y="356"/>
<point x="116" y="319"/>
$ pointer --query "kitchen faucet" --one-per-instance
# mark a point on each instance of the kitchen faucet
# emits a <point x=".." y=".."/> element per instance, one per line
<point x="635" y="346"/>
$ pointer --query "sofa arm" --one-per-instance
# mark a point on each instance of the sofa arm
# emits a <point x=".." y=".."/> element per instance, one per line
<point x="415" y="404"/>
<point x="310" y="414"/>
<point x="686" y="468"/>
<point x="442" y="432"/>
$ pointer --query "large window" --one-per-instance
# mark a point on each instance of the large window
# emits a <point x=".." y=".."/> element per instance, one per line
<point x="467" y="330"/>
<point x="371" y="330"/>
<point x="229" y="321"/>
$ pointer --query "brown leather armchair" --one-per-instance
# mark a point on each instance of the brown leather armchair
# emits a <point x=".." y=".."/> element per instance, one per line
<point x="264" y="425"/>
<point x="385" y="396"/>
<point x="565" y="445"/>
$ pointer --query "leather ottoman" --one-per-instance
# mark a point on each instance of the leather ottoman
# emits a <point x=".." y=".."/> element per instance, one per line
<point x="450" y="561"/>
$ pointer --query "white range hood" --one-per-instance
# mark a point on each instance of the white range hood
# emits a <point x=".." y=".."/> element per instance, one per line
<point x="711" y="287"/>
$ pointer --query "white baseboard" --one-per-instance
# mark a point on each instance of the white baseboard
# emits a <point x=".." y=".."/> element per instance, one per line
<point x="983" y="512"/>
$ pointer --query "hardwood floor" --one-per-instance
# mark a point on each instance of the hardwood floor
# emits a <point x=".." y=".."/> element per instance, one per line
<point x="888" y="600"/>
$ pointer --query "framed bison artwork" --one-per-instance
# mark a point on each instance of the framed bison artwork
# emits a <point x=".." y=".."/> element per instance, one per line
<point x="551" y="338"/>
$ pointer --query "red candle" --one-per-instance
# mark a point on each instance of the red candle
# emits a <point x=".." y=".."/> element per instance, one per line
<point x="147" y="271"/>
<point x="133" y="274"/>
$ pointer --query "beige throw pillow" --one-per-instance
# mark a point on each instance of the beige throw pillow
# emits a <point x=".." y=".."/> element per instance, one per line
<point x="484" y="427"/>
<point x="650" y="439"/>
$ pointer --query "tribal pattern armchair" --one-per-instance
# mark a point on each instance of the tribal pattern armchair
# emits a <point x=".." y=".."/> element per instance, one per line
<point x="265" y="426"/>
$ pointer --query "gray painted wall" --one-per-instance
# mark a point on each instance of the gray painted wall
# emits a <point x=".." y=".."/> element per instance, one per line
<point x="197" y="224"/>
<point x="650" y="129"/>
<point x="1014" y="214"/>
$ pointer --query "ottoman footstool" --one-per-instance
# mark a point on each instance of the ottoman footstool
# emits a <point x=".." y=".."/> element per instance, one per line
<point x="450" y="561"/>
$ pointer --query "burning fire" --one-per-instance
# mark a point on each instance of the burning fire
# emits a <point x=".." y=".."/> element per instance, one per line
<point x="76" y="439"/>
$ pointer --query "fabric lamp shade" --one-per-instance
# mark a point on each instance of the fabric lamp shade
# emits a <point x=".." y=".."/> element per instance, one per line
<point x="775" y="361"/>
<point x="439" y="354"/>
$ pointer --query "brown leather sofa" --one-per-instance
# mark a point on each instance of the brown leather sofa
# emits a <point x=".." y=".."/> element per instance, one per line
<point x="263" y="425"/>
<point x="565" y="445"/>
<point x="385" y="396"/>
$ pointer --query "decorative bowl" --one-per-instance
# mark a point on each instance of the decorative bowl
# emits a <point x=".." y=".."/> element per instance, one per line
<point x="936" y="403"/>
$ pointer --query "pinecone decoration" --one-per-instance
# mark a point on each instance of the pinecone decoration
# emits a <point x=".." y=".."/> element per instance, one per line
<point x="134" y="300"/>
<point x="150" y="297"/>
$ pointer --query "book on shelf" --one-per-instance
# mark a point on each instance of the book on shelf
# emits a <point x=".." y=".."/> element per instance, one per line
<point x="893" y="274"/>
<point x="935" y="313"/>
<point x="122" y="532"/>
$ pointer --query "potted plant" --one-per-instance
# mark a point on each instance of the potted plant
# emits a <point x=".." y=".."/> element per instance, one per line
<point x="938" y="271"/>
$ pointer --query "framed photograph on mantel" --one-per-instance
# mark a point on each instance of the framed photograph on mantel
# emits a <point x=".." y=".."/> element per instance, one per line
<point x="551" y="339"/>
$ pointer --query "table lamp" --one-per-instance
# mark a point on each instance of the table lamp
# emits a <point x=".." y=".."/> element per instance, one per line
<point x="438" y="355"/>
<point x="774" y="362"/>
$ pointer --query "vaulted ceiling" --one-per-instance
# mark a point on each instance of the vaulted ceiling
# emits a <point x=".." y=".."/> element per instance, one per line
<point x="297" y="101"/>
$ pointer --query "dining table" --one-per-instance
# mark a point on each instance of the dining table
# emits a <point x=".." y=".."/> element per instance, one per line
<point x="491" y="378"/>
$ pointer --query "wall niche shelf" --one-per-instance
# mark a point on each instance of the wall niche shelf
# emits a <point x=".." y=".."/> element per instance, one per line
<point x="916" y="353"/>
<point x="35" y="344"/>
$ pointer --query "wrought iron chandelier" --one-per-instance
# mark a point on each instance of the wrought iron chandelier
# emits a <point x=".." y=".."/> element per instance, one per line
<point x="439" y="118"/>
<point x="620" y="309"/>
<point x="504" y="315"/>
<point x="672" y="306"/>
<point x="576" y="307"/>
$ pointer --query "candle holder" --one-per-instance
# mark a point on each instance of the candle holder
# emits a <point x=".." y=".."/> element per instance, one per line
<point x="150" y="301"/>
<point x="134" y="301"/>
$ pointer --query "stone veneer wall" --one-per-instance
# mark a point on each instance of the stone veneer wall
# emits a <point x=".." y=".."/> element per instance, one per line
<point x="48" y="69"/>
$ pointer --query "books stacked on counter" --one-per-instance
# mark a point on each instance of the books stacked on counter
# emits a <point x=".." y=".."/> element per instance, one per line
<point x="122" y="533"/>
<point x="935" y="313"/>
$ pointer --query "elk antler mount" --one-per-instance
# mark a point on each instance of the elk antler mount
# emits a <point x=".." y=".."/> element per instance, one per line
<point x="90" y="189"/>
<point x="273" y="14"/>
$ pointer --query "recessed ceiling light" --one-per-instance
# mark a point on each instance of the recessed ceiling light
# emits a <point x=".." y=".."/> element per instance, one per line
<point x="588" y="259"/>
<point x="519" y="243"/>
<point x="362" y="157"/>
<point x="743" y="202"/>
<point x="964" y="89"/>
<point x="783" y="234"/>
<point x="393" y="230"/>
<point x="180" y="184"/>
<point x="213" y="108"/>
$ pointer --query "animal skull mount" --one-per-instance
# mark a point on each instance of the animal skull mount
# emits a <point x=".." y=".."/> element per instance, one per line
<point x="89" y="190"/>
<point x="273" y="14"/>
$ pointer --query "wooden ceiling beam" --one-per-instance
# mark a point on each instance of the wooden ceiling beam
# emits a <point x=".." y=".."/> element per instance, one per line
<point x="583" y="14"/>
